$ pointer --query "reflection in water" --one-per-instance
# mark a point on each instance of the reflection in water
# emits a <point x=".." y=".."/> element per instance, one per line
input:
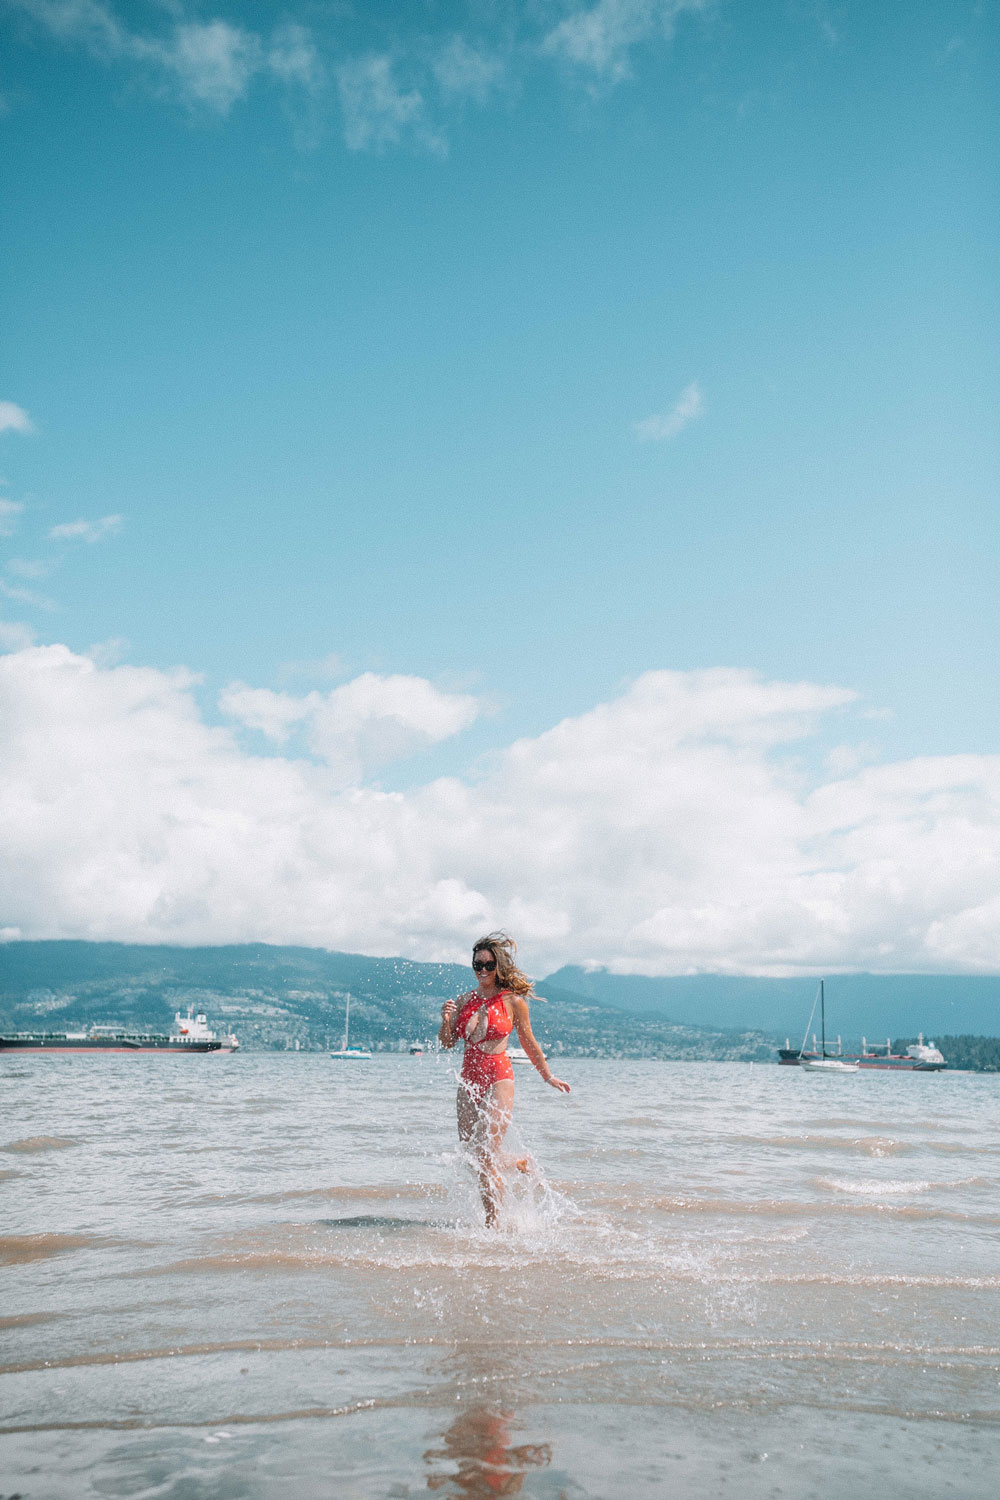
<point x="476" y="1458"/>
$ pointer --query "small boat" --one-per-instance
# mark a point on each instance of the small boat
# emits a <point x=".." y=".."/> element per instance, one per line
<point x="518" y="1055"/>
<point x="824" y="1064"/>
<point x="828" y="1065"/>
<point x="348" y="1053"/>
<point x="417" y="1049"/>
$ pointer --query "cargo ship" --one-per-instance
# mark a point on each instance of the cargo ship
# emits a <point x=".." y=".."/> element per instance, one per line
<point x="190" y="1034"/>
<point x="919" y="1057"/>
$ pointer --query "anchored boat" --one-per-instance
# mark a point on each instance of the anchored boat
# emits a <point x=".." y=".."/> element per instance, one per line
<point x="823" y="1063"/>
<point x="346" y="1053"/>
<point x="919" y="1057"/>
<point x="190" y="1033"/>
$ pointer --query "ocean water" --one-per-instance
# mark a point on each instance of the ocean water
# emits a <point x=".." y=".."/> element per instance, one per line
<point x="267" y="1275"/>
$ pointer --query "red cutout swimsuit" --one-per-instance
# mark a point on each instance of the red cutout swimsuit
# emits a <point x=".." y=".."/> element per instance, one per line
<point x="481" y="1070"/>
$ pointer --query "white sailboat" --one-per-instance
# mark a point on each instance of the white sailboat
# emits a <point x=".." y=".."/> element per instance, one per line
<point x="824" y="1064"/>
<point x="347" y="1053"/>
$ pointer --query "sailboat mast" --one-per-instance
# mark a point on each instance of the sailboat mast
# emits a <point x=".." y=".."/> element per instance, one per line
<point x="822" y="1017"/>
<point x="347" y="1021"/>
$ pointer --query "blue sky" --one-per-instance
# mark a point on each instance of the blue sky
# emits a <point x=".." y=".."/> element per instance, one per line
<point x="520" y="349"/>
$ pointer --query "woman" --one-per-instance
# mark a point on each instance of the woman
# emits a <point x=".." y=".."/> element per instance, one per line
<point x="484" y="1019"/>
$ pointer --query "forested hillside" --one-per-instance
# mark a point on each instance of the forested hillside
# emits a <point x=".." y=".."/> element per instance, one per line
<point x="276" y="997"/>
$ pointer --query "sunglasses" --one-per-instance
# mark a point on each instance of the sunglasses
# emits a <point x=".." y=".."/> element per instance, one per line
<point x="484" y="966"/>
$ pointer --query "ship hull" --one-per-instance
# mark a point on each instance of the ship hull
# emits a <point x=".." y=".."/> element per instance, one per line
<point x="789" y="1057"/>
<point x="22" y="1044"/>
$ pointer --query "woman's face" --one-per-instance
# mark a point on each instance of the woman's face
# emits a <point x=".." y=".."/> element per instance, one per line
<point x="485" y="966"/>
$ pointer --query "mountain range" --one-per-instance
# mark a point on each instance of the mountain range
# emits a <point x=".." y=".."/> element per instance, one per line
<point x="872" y="1005"/>
<point x="277" y="996"/>
<point x="286" y="997"/>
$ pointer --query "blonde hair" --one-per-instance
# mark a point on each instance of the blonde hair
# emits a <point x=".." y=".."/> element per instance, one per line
<point x="509" y="976"/>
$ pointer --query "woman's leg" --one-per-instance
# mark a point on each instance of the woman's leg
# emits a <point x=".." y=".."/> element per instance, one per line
<point x="482" y="1125"/>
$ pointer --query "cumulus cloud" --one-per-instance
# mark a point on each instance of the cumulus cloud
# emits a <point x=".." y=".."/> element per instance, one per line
<point x="661" y="428"/>
<point x="85" y="531"/>
<point x="359" y="726"/>
<point x="377" y="111"/>
<point x="14" y="418"/>
<point x="600" y="38"/>
<point x="664" y="831"/>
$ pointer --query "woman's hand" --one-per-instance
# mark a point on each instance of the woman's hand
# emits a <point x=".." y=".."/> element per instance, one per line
<point x="557" y="1083"/>
<point x="446" y="1036"/>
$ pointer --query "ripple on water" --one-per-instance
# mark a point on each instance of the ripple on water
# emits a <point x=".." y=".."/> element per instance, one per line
<point x="18" y="1249"/>
<point x="339" y="1261"/>
<point x="868" y="1145"/>
<point x="876" y="1187"/>
<point x="34" y="1143"/>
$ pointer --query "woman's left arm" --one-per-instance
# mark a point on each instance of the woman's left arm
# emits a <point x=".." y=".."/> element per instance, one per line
<point x="522" y="1021"/>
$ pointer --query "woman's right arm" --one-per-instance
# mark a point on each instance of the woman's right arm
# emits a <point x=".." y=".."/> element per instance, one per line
<point x="446" y="1036"/>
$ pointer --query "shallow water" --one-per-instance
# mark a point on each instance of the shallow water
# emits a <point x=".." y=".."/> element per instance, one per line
<point x="225" y="1276"/>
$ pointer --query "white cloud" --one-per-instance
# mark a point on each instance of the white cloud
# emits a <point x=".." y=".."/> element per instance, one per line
<point x="209" y="63"/>
<point x="663" y="831"/>
<point x="600" y="38"/>
<point x="108" y="653"/>
<point x="359" y="726"/>
<point x="373" y="720"/>
<point x="25" y="596"/>
<point x="213" y="62"/>
<point x="273" y="714"/>
<point x="9" y="512"/>
<point x="377" y="112"/>
<point x="461" y="68"/>
<point x="14" y="418"/>
<point x="85" y="531"/>
<point x="660" y="429"/>
<point x="24" y="567"/>
<point x="86" y="22"/>
<point x="293" y="57"/>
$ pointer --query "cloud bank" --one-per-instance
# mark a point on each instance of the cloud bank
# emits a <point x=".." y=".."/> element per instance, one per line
<point x="395" y="77"/>
<point x="670" y="829"/>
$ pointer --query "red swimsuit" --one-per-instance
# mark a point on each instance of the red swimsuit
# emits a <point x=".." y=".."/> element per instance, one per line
<point x="481" y="1070"/>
